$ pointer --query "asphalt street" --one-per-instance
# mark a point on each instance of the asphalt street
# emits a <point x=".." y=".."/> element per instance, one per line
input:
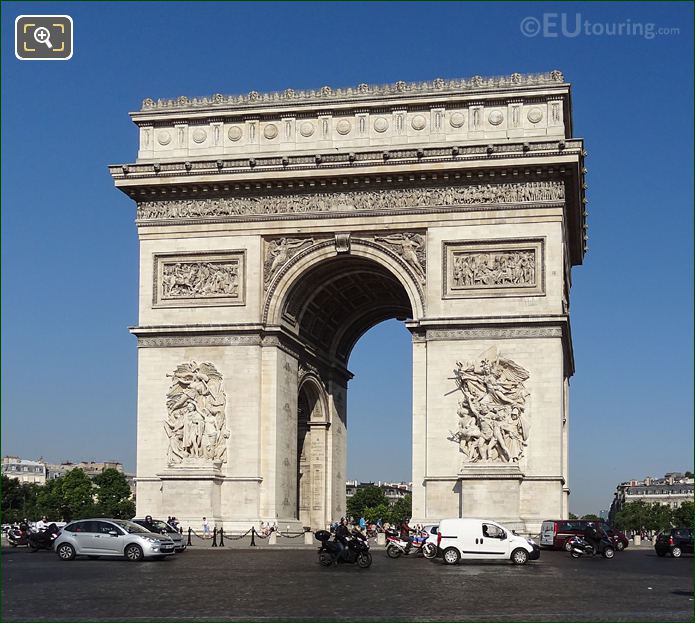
<point x="205" y="584"/>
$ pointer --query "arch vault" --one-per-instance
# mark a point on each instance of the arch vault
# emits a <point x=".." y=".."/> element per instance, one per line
<point x="276" y="229"/>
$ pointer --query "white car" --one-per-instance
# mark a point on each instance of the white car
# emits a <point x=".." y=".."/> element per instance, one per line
<point x="482" y="539"/>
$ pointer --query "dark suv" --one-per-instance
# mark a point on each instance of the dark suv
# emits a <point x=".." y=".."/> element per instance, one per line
<point x="676" y="542"/>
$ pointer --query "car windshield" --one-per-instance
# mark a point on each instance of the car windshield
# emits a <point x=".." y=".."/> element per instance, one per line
<point x="162" y="525"/>
<point x="131" y="527"/>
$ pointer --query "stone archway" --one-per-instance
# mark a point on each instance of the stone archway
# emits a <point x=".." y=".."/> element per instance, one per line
<point x="276" y="229"/>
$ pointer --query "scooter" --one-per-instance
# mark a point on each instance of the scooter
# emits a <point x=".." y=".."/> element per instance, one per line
<point x="44" y="539"/>
<point x="397" y="547"/>
<point x="18" y="536"/>
<point x="356" y="552"/>
<point x="579" y="547"/>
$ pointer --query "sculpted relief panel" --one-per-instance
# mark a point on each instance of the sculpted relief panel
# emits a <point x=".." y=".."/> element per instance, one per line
<point x="199" y="279"/>
<point x="493" y="268"/>
<point x="347" y="202"/>
<point x="408" y="246"/>
<point x="493" y="424"/>
<point x="196" y="420"/>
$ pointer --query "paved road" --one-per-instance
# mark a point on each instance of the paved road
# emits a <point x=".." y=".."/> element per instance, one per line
<point x="246" y="584"/>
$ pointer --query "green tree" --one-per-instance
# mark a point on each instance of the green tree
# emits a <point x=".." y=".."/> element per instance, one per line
<point x="658" y="517"/>
<point x="381" y="511"/>
<point x="113" y="495"/>
<point x="633" y="516"/>
<point x="591" y="517"/>
<point x="684" y="515"/>
<point x="573" y="516"/>
<point x="68" y="497"/>
<point x="402" y="509"/>
<point x="365" y="497"/>
<point x="18" y="499"/>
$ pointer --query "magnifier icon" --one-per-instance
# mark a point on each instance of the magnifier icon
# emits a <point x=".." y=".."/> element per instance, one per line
<point x="43" y="35"/>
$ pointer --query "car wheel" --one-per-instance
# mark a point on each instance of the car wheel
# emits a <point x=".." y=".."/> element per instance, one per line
<point x="66" y="551"/>
<point x="568" y="546"/>
<point x="134" y="553"/>
<point x="429" y="550"/>
<point x="519" y="556"/>
<point x="33" y="548"/>
<point x="451" y="556"/>
<point x="364" y="560"/>
<point x="620" y="546"/>
<point x="676" y="552"/>
<point x="609" y="552"/>
<point x="393" y="552"/>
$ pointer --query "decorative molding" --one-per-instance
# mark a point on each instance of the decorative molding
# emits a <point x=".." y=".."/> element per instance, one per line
<point x="493" y="333"/>
<point x="175" y="341"/>
<point x="493" y="268"/>
<point x="360" y="92"/>
<point x="494" y="423"/>
<point x="199" y="279"/>
<point x="353" y="201"/>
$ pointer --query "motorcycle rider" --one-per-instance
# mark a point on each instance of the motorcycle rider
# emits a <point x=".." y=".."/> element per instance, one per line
<point x="341" y="537"/>
<point x="593" y="537"/>
<point x="405" y="535"/>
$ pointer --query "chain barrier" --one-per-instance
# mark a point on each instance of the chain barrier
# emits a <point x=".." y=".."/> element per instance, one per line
<point x="219" y="532"/>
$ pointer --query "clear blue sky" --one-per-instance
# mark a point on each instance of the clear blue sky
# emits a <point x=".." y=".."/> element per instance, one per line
<point x="69" y="247"/>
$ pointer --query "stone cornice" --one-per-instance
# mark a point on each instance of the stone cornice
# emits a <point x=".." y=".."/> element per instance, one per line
<point x="137" y="174"/>
<point x="361" y="93"/>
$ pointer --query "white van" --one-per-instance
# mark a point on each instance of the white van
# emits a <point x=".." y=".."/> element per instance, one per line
<point x="482" y="539"/>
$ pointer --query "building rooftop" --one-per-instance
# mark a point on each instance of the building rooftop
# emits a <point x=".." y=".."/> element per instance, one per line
<point x="361" y="91"/>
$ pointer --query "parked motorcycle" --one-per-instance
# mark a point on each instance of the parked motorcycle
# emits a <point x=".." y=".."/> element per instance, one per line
<point x="356" y="552"/>
<point x="43" y="539"/>
<point x="18" y="536"/>
<point x="579" y="547"/>
<point x="396" y="547"/>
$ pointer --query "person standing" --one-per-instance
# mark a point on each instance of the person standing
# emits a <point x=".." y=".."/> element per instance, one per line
<point x="206" y="528"/>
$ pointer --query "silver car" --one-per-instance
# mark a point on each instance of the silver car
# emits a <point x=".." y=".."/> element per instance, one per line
<point x="111" y="537"/>
<point x="162" y="527"/>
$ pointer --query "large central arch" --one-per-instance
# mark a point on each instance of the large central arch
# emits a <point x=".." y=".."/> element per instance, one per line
<point x="275" y="229"/>
<point x="329" y="301"/>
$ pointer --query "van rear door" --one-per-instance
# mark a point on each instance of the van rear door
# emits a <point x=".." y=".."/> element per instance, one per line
<point x="548" y="530"/>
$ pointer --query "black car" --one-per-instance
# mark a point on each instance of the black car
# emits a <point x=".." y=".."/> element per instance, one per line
<point x="676" y="542"/>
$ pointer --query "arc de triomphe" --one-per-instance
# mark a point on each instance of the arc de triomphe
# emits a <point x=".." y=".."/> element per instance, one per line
<point x="276" y="228"/>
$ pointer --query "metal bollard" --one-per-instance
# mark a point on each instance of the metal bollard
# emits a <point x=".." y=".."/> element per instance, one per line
<point x="214" y="537"/>
<point x="188" y="544"/>
<point x="180" y="529"/>
<point x="253" y="537"/>
<point x="221" y="537"/>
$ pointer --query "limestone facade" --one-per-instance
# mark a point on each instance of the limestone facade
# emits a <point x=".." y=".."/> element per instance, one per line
<point x="275" y="229"/>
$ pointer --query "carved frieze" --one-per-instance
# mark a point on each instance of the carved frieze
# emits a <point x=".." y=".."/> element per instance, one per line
<point x="493" y="268"/>
<point x="353" y="201"/>
<point x="493" y="418"/>
<point x="199" y="279"/>
<point x="196" y="417"/>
